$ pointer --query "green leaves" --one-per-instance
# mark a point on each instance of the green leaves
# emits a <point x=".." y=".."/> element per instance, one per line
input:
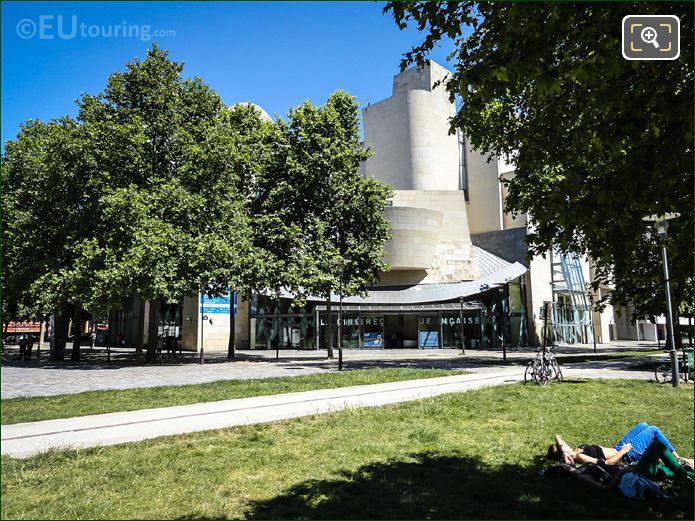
<point x="597" y="141"/>
<point x="158" y="187"/>
<point x="139" y="196"/>
<point x="309" y="204"/>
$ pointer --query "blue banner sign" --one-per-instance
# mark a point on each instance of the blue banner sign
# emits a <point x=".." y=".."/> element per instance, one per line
<point x="217" y="305"/>
<point x="429" y="338"/>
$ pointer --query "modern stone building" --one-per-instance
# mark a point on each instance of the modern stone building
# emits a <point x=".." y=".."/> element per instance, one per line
<point x="459" y="267"/>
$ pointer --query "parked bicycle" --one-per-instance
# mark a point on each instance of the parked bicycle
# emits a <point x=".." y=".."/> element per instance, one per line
<point x="543" y="368"/>
<point x="663" y="373"/>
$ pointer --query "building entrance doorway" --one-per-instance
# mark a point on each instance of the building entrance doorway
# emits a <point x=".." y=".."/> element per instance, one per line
<point x="401" y="331"/>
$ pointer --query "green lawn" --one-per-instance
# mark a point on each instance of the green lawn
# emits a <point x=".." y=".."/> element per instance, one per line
<point x="18" y="410"/>
<point x="466" y="455"/>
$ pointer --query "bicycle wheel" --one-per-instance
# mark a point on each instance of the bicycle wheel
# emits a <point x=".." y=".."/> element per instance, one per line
<point x="540" y="372"/>
<point x="557" y="370"/>
<point x="528" y="373"/>
<point x="662" y="373"/>
<point x="683" y="373"/>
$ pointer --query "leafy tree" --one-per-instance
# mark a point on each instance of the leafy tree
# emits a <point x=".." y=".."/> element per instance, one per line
<point x="337" y="212"/>
<point x="172" y="214"/>
<point x="254" y="149"/>
<point x="139" y="196"/>
<point x="158" y="189"/>
<point x="597" y="141"/>
<point x="48" y="210"/>
<point x="307" y="202"/>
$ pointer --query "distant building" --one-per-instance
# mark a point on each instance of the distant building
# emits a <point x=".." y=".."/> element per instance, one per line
<point x="459" y="266"/>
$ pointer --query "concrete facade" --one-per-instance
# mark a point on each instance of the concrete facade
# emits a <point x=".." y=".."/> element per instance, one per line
<point x="413" y="151"/>
<point x="215" y="328"/>
<point x="409" y="133"/>
<point x="445" y="250"/>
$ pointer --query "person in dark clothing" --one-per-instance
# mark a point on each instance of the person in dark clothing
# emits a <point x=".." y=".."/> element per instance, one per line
<point x="657" y="462"/>
<point x="630" y="448"/>
<point x="585" y="453"/>
<point x="25" y="347"/>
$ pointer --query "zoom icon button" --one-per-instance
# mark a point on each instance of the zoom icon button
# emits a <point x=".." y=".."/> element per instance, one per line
<point x="651" y="37"/>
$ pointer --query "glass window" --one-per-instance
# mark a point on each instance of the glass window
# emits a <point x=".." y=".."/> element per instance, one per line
<point x="373" y="328"/>
<point x="428" y="331"/>
<point x="351" y="331"/>
<point x="463" y="166"/>
<point x="451" y="330"/>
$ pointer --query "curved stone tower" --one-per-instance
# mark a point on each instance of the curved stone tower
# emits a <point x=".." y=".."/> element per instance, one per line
<point x="413" y="152"/>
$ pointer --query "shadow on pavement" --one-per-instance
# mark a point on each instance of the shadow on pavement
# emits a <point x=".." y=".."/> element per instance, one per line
<point x="432" y="486"/>
<point x="121" y="357"/>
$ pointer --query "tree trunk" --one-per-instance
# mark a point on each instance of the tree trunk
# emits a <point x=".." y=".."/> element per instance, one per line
<point x="231" y="348"/>
<point x="76" y="331"/>
<point x="60" y="332"/>
<point x="140" y="340"/>
<point x="42" y="333"/>
<point x="152" y="331"/>
<point x="329" y="329"/>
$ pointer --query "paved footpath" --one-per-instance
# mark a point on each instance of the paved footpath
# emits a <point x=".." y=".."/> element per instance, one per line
<point x="26" y="439"/>
<point x="44" y="378"/>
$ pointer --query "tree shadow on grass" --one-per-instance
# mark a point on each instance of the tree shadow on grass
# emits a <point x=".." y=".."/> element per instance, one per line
<point x="430" y="486"/>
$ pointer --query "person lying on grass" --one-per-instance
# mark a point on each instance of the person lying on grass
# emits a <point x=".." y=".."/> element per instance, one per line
<point x="606" y="476"/>
<point x="630" y="448"/>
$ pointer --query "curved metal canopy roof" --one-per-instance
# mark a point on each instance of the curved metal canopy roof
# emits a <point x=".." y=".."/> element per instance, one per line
<point x="495" y="272"/>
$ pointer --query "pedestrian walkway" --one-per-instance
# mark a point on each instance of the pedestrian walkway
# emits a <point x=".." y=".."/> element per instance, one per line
<point x="46" y="378"/>
<point x="26" y="439"/>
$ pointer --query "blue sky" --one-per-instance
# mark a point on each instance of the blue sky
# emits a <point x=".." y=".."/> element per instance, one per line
<point x="276" y="54"/>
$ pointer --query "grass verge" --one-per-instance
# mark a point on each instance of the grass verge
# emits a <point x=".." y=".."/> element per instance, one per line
<point x="18" y="410"/>
<point x="465" y="455"/>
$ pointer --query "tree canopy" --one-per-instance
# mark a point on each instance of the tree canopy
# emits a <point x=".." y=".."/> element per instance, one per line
<point x="597" y="142"/>
<point x="48" y="210"/>
<point x="159" y="189"/>
<point x="339" y="211"/>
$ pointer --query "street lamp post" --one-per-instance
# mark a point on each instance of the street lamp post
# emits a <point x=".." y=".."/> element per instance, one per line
<point x="277" y="326"/>
<point x="463" y="346"/>
<point x="203" y="318"/>
<point x="591" y="315"/>
<point x="661" y="225"/>
<point x="202" y="348"/>
<point x="340" y="264"/>
<point x="500" y="293"/>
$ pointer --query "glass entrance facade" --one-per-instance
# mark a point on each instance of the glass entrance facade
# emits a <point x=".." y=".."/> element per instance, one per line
<point x="415" y="330"/>
<point x="282" y="324"/>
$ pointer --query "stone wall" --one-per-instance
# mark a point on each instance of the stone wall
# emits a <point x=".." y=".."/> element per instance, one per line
<point x="215" y="334"/>
<point x="409" y="133"/>
<point x="453" y="258"/>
